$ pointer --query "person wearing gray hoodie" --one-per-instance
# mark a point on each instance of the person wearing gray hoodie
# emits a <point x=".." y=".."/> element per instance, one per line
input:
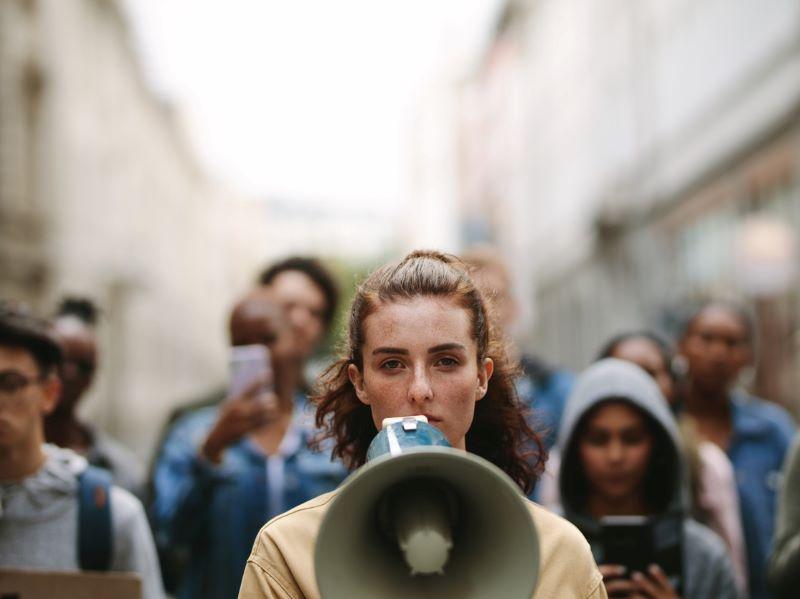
<point x="621" y="457"/>
<point x="39" y="483"/>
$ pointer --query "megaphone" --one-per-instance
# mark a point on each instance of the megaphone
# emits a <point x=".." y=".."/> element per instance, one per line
<point x="421" y="519"/>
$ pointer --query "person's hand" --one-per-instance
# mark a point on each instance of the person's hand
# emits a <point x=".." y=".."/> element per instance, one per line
<point x="615" y="582"/>
<point x="238" y="416"/>
<point x="653" y="585"/>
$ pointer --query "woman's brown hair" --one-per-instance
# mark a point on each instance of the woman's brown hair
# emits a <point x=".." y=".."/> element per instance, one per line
<point x="499" y="430"/>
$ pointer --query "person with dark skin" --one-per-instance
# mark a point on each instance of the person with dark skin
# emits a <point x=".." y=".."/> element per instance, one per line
<point x="621" y="457"/>
<point x="79" y="348"/>
<point x="307" y="294"/>
<point x="715" y="501"/>
<point x="717" y="343"/>
<point x="256" y="321"/>
<point x="73" y="329"/>
<point x="224" y="469"/>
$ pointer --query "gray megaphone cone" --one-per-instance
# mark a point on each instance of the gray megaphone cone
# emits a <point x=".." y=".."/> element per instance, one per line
<point x="421" y="519"/>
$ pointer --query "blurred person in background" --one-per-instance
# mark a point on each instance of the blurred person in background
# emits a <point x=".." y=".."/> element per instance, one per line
<point x="621" y="456"/>
<point x="74" y="330"/>
<point x="542" y="388"/>
<point x="43" y="488"/>
<point x="224" y="470"/>
<point x="716" y="344"/>
<point x="715" y="501"/>
<point x="784" y="564"/>
<point x="307" y="292"/>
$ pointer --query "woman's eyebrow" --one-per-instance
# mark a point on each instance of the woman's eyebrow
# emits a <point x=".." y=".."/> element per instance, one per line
<point x="634" y="428"/>
<point x="446" y="347"/>
<point x="389" y="350"/>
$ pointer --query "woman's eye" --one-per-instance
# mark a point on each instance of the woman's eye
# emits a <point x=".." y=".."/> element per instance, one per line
<point x="598" y="440"/>
<point x="391" y="364"/>
<point x="448" y="362"/>
<point x="633" y="438"/>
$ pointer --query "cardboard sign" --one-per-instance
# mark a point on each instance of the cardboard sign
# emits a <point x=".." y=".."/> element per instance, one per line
<point x="41" y="584"/>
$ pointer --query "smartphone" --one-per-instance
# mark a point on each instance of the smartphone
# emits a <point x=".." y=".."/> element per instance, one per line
<point x="638" y="541"/>
<point x="247" y="363"/>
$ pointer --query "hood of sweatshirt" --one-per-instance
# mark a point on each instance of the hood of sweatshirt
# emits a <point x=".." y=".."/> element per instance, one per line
<point x="616" y="380"/>
<point x="42" y="495"/>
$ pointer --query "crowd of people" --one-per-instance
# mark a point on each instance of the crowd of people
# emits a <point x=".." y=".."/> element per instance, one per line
<point x="653" y="436"/>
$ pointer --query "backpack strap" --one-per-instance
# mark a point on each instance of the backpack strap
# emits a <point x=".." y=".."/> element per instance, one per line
<point x="94" y="519"/>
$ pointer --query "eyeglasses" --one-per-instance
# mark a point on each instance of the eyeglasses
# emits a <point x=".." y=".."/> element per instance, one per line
<point x="13" y="382"/>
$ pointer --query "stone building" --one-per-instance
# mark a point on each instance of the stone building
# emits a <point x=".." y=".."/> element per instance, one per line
<point x="100" y="195"/>
<point x="616" y="151"/>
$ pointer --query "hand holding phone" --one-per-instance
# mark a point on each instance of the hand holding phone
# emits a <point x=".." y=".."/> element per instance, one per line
<point x="642" y="556"/>
<point x="248" y="363"/>
<point x="251" y="402"/>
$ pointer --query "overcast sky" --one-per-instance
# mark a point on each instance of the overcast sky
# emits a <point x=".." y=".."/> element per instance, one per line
<point x="306" y="99"/>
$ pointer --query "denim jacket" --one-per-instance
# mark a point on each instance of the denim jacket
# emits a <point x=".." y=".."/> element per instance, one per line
<point x="762" y="433"/>
<point x="214" y="512"/>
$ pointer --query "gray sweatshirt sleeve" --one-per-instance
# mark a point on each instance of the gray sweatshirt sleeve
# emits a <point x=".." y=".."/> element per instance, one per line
<point x="784" y="564"/>
<point x="133" y="549"/>
<point x="707" y="567"/>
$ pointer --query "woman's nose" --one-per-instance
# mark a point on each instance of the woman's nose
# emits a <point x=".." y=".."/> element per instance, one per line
<point x="420" y="390"/>
<point x="615" y="451"/>
<point x="299" y="316"/>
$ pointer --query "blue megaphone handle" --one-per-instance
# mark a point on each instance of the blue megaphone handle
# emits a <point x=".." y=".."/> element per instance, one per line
<point x="402" y="434"/>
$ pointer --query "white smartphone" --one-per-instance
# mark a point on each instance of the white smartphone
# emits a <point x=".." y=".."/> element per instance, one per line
<point x="247" y="363"/>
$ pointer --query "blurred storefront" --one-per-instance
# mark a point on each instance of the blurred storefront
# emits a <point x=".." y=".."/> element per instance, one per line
<point x="100" y="195"/>
<point x="626" y="156"/>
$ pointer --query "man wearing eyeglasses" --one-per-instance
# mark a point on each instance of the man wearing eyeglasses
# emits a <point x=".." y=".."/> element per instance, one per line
<point x="40" y="484"/>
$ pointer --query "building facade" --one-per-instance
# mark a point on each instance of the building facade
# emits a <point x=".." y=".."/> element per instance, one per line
<point x="617" y="151"/>
<point x="101" y="196"/>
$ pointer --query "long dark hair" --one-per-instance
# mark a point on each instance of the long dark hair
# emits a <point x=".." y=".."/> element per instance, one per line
<point x="499" y="430"/>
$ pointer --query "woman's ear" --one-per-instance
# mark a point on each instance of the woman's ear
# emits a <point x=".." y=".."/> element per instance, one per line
<point x="485" y="371"/>
<point x="357" y="379"/>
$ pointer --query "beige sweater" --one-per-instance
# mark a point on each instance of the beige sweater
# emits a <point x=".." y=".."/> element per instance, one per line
<point x="281" y="564"/>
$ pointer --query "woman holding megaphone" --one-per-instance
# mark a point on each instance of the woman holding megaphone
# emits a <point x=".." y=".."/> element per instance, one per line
<point x="421" y="343"/>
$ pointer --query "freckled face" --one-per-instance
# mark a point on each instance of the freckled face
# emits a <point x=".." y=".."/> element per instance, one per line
<point x="420" y="358"/>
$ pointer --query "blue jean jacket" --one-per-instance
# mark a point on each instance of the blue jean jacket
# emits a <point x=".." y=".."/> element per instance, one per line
<point x="762" y="433"/>
<point x="546" y="402"/>
<point x="214" y="512"/>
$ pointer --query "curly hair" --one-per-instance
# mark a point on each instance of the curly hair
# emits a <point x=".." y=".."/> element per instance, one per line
<point x="314" y="270"/>
<point x="499" y="431"/>
<point x="81" y="308"/>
